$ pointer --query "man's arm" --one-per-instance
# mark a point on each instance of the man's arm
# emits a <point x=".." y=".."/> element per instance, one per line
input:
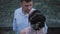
<point x="14" y="22"/>
<point x="14" y="25"/>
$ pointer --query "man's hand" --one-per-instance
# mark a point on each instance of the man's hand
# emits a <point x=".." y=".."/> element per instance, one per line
<point x="23" y="31"/>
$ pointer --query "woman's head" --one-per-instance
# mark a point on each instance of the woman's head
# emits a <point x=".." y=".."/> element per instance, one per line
<point x="37" y="19"/>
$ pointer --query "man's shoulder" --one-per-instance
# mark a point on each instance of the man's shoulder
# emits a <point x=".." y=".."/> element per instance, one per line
<point x="32" y="10"/>
<point x="18" y="10"/>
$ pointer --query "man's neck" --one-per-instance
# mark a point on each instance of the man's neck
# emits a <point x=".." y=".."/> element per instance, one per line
<point x="24" y="12"/>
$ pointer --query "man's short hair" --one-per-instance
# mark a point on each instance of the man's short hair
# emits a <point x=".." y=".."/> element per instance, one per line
<point x="25" y="0"/>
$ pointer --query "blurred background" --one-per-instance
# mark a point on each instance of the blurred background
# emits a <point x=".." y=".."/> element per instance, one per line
<point x="51" y="9"/>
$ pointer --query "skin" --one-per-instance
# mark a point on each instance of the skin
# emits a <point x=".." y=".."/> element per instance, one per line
<point x="27" y="6"/>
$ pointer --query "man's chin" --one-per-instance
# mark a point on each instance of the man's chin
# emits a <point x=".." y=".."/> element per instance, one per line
<point x="28" y="11"/>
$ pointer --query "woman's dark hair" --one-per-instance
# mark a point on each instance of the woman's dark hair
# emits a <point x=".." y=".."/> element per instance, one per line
<point x="36" y="16"/>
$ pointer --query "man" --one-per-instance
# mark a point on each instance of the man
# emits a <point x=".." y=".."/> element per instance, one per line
<point x="20" y="20"/>
<point x="37" y="24"/>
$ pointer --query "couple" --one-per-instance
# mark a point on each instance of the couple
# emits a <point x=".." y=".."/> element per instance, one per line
<point x="22" y="20"/>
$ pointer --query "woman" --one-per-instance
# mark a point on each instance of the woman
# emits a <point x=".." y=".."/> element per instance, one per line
<point x="37" y="24"/>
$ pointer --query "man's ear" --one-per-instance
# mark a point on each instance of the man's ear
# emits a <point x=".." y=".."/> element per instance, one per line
<point x="23" y="31"/>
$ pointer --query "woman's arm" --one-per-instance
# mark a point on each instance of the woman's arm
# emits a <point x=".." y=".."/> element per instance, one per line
<point x="23" y="31"/>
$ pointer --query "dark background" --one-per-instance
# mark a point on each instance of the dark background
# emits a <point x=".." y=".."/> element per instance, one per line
<point x="51" y="9"/>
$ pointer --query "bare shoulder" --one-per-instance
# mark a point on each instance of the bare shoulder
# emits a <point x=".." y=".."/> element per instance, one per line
<point x="23" y="31"/>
